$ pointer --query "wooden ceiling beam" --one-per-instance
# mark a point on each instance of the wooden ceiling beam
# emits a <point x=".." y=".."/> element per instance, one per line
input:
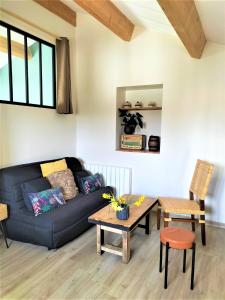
<point x="184" y="18"/>
<point x="110" y="16"/>
<point x="59" y="9"/>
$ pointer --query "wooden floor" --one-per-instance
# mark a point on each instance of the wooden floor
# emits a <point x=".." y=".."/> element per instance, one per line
<point x="76" y="272"/>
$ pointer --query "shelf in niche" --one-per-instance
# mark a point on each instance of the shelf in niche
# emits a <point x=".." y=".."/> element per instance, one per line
<point x="138" y="151"/>
<point x="152" y="121"/>
<point x="142" y="108"/>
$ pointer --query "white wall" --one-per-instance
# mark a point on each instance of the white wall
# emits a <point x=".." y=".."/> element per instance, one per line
<point x="193" y="123"/>
<point x="29" y="134"/>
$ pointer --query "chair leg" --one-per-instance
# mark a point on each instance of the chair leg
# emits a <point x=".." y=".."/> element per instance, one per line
<point x="166" y="216"/>
<point x="158" y="217"/>
<point x="166" y="265"/>
<point x="184" y="261"/>
<point x="203" y="232"/>
<point x="193" y="266"/>
<point x="193" y="224"/>
<point x="202" y="219"/>
<point x="161" y="256"/>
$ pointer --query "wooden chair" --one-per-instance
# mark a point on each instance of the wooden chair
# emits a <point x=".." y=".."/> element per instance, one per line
<point x="195" y="206"/>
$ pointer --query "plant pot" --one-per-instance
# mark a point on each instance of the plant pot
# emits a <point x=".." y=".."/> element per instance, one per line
<point x="129" y="128"/>
<point x="123" y="214"/>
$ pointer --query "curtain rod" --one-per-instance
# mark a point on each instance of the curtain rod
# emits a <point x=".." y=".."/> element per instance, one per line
<point x="28" y="22"/>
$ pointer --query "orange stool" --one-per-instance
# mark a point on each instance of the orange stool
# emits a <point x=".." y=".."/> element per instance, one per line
<point x="181" y="239"/>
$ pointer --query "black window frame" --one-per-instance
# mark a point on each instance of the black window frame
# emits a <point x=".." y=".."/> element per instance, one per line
<point x="26" y="35"/>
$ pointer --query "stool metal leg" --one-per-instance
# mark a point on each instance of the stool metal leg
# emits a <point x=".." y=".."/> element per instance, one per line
<point x="193" y="224"/>
<point x="4" y="235"/>
<point x="184" y="261"/>
<point x="161" y="256"/>
<point x="193" y="266"/>
<point x="166" y="265"/>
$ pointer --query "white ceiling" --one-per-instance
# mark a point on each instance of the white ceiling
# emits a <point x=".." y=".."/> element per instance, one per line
<point x="148" y="14"/>
<point x="145" y="13"/>
<point x="212" y="15"/>
<point x="74" y="6"/>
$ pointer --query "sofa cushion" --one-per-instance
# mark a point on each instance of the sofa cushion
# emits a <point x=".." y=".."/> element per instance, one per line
<point x="92" y="183"/>
<point x="33" y="186"/>
<point x="64" y="180"/>
<point x="78" y="176"/>
<point x="45" y="201"/>
<point x="53" y="167"/>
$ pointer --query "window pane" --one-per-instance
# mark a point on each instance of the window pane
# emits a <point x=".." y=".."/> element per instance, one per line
<point x="18" y="67"/>
<point x="47" y="75"/>
<point x="4" y="67"/>
<point x="33" y="71"/>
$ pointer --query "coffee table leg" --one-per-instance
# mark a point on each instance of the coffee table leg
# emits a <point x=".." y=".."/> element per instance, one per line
<point x="100" y="239"/>
<point x="126" y="246"/>
<point x="4" y="234"/>
<point x="146" y="227"/>
<point x="147" y="219"/>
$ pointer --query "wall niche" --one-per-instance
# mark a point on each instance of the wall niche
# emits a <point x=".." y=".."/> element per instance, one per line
<point x="152" y="115"/>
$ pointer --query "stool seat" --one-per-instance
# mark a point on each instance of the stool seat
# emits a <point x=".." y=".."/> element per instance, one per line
<point x="178" y="238"/>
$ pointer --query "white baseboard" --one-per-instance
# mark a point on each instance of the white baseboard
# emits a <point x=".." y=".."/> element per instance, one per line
<point x="215" y="224"/>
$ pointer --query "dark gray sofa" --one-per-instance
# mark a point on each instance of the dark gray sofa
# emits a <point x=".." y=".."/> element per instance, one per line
<point x="51" y="229"/>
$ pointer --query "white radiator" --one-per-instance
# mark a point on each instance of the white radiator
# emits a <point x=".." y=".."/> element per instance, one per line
<point x="117" y="177"/>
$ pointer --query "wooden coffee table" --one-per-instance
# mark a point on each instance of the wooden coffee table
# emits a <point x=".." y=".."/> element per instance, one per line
<point x="106" y="220"/>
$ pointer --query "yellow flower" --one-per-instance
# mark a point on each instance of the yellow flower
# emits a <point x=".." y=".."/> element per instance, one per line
<point x="122" y="200"/>
<point x="113" y="199"/>
<point x="116" y="203"/>
<point x="139" y="201"/>
<point x="116" y="207"/>
<point x="106" y="196"/>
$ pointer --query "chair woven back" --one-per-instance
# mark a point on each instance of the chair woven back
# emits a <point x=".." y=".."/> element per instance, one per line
<point x="201" y="178"/>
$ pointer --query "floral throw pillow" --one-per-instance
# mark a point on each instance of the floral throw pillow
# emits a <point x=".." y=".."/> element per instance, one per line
<point x="92" y="183"/>
<point x="64" y="180"/>
<point x="46" y="200"/>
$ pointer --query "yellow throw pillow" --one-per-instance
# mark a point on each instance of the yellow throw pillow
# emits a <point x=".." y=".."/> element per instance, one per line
<point x="53" y="167"/>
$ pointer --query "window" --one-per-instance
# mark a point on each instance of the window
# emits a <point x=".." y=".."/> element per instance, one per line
<point x="27" y="69"/>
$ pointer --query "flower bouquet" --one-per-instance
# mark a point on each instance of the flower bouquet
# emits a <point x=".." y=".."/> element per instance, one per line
<point x="121" y="204"/>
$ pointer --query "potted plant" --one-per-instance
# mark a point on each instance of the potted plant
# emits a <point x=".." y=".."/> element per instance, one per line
<point x="121" y="205"/>
<point x="130" y="121"/>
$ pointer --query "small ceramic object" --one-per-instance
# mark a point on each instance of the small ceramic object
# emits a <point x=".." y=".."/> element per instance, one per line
<point x="152" y="104"/>
<point x="154" y="143"/>
<point x="138" y="104"/>
<point x="127" y="104"/>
